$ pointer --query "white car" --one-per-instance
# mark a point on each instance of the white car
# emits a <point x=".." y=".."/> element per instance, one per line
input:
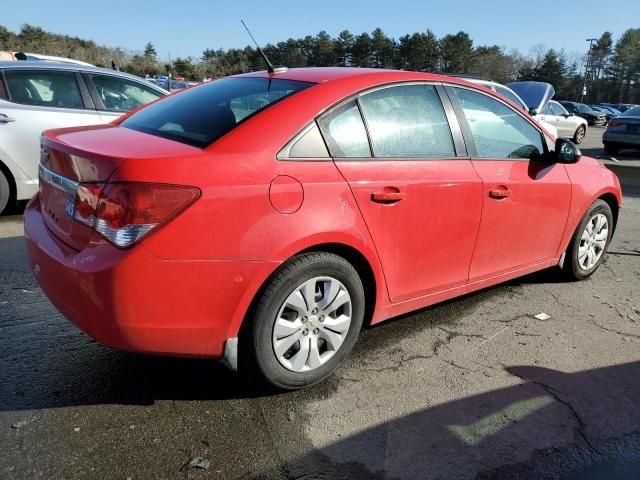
<point x="509" y="94"/>
<point x="567" y="124"/>
<point x="537" y="96"/>
<point x="40" y="95"/>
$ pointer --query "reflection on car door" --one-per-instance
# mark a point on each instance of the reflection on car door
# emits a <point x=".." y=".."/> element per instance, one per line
<point x="419" y="196"/>
<point x="40" y="100"/>
<point x="525" y="202"/>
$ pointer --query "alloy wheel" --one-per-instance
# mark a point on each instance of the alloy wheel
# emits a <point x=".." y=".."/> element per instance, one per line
<point x="593" y="241"/>
<point x="312" y="324"/>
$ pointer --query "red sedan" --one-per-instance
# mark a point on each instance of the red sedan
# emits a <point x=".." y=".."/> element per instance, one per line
<point x="266" y="218"/>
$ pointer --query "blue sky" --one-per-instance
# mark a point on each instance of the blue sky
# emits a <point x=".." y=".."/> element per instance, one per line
<point x="183" y="28"/>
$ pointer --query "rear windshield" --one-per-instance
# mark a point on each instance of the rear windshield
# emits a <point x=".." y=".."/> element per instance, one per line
<point x="201" y="115"/>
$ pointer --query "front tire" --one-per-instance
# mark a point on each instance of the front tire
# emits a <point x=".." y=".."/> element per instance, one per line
<point x="304" y="323"/>
<point x="590" y="241"/>
<point x="579" y="134"/>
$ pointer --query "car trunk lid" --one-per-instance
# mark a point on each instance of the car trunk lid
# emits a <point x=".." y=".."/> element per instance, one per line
<point x="75" y="161"/>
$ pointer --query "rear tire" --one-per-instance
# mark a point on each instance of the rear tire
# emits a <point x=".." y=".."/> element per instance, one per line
<point x="5" y="193"/>
<point x="296" y="309"/>
<point x="579" y="134"/>
<point x="589" y="242"/>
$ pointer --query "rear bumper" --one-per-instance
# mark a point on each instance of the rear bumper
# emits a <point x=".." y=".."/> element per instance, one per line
<point x="630" y="139"/>
<point x="132" y="300"/>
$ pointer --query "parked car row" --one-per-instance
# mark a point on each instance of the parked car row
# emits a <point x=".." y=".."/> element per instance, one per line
<point x="40" y="95"/>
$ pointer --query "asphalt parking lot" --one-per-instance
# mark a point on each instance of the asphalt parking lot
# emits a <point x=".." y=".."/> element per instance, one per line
<point x="473" y="388"/>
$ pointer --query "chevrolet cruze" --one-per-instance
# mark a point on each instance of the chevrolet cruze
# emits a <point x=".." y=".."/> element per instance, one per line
<point x="264" y="219"/>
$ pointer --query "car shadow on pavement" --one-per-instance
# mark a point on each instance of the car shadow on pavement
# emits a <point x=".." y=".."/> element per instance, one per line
<point x="49" y="363"/>
<point x="550" y="425"/>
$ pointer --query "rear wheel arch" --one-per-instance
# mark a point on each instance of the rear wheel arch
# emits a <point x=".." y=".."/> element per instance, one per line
<point x="357" y="259"/>
<point x="362" y="266"/>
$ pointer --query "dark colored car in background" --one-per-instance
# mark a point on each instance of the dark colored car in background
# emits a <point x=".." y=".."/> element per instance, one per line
<point x="623" y="131"/>
<point x="585" y="111"/>
<point x="608" y="114"/>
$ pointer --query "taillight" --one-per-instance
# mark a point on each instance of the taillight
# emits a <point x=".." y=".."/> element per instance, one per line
<point x="125" y="212"/>
<point x="613" y="123"/>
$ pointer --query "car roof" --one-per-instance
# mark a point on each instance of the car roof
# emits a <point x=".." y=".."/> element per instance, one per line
<point x="325" y="74"/>
<point x="48" y="65"/>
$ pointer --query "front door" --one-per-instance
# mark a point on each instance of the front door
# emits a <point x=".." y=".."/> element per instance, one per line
<point x="420" y="200"/>
<point x="525" y="201"/>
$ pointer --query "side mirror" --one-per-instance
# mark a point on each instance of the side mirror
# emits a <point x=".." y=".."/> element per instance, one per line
<point x="533" y="112"/>
<point x="567" y="115"/>
<point x="566" y="151"/>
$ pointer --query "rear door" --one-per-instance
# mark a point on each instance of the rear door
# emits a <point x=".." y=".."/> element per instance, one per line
<point x="418" y="192"/>
<point x="525" y="201"/>
<point x="40" y="99"/>
<point x="114" y="95"/>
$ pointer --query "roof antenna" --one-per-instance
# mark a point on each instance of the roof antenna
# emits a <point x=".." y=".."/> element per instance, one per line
<point x="270" y="68"/>
<point x="114" y="66"/>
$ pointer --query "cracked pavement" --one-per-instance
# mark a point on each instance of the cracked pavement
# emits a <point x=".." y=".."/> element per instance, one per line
<point x="472" y="388"/>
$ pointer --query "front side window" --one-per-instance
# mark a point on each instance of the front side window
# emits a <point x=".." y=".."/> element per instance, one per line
<point x="121" y="95"/>
<point x="498" y="131"/>
<point x="344" y="132"/>
<point x="44" y="88"/>
<point x="407" y="121"/>
<point x="200" y="115"/>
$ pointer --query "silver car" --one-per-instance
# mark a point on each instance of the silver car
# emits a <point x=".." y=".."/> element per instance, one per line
<point x="567" y="124"/>
<point x="39" y="95"/>
<point x="623" y="131"/>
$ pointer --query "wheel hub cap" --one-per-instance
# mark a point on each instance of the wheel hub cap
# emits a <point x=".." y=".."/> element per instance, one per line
<point x="593" y="241"/>
<point x="312" y="324"/>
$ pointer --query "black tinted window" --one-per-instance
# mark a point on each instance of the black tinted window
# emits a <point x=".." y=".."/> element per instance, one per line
<point x="344" y="132"/>
<point x="201" y="115"/>
<point x="44" y="88"/>
<point x="407" y="121"/>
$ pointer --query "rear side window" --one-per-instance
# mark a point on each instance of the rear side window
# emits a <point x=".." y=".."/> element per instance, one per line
<point x="498" y="131"/>
<point x="121" y="95"/>
<point x="201" y="115"/>
<point x="44" y="88"/>
<point x="407" y="121"/>
<point x="344" y="132"/>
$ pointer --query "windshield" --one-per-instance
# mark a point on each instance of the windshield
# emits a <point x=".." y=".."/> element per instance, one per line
<point x="584" y="108"/>
<point x="632" y="112"/>
<point x="200" y="115"/>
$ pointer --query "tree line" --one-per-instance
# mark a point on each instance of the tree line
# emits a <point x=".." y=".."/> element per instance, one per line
<point x="613" y="68"/>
